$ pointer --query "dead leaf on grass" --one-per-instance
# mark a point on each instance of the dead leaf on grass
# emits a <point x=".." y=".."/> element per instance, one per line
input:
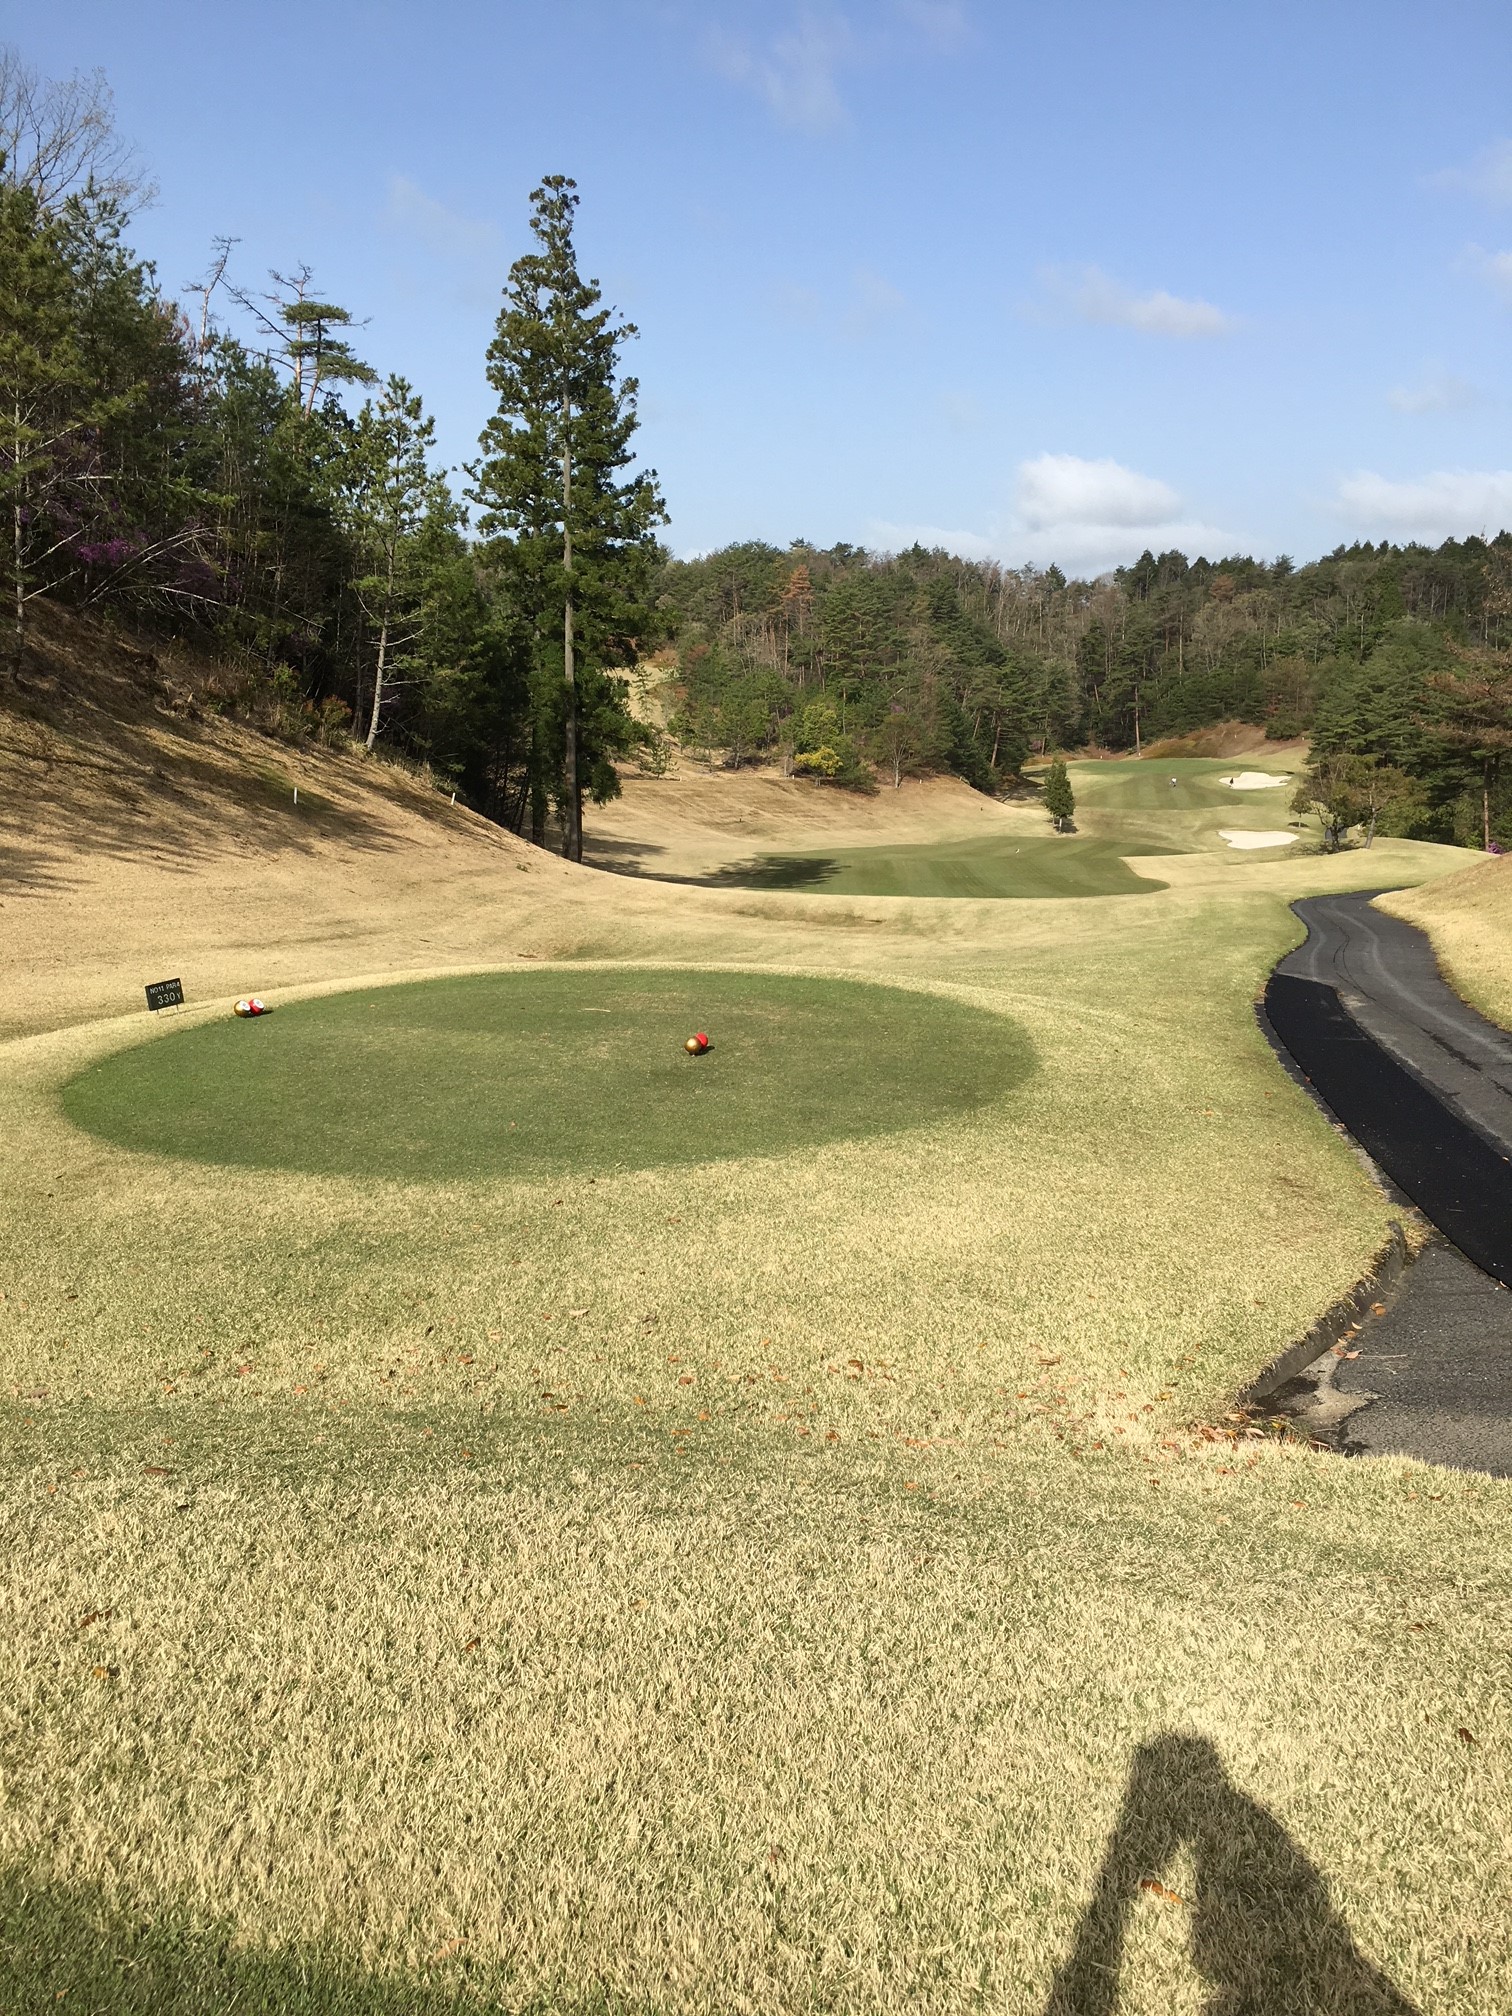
<point x="1158" y="1889"/>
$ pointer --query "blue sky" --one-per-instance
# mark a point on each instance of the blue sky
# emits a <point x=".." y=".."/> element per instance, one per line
<point x="1035" y="282"/>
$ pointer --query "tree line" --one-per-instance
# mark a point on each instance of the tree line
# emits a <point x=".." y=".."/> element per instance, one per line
<point x="1393" y="661"/>
<point x="228" y="467"/>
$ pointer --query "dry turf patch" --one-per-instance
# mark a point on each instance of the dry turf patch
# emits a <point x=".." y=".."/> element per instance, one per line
<point x="783" y="1582"/>
<point x="1469" y="918"/>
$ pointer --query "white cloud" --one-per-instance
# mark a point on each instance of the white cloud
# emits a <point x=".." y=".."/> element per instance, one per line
<point x="1086" y="516"/>
<point x="1441" y="392"/>
<point x="795" y="73"/>
<point x="444" y="233"/>
<point x="1446" y="504"/>
<point x="1488" y="176"/>
<point x="1065" y="490"/>
<point x="1093" y="296"/>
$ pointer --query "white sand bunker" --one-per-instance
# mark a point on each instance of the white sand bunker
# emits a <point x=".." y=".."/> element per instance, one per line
<point x="1238" y="839"/>
<point x="1254" y="780"/>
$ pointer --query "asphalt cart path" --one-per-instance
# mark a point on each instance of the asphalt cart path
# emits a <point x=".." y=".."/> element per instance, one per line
<point x="1424" y="1084"/>
<point x="1385" y="973"/>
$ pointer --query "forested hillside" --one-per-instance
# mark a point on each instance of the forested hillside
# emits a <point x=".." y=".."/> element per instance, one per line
<point x="228" y="468"/>
<point x="1393" y="660"/>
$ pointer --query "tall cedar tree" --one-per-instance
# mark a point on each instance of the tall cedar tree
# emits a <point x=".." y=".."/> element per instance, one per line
<point x="571" y="533"/>
<point x="1060" y="800"/>
<point x="388" y="492"/>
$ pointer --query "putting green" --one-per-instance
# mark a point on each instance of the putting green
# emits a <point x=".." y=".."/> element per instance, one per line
<point x="1007" y="866"/>
<point x="543" y="1074"/>
<point x="1183" y="784"/>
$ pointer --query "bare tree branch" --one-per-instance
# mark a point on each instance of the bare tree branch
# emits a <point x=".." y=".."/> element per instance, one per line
<point x="58" y="136"/>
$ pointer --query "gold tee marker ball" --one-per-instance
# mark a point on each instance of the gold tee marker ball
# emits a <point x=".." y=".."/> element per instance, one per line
<point x="692" y="1046"/>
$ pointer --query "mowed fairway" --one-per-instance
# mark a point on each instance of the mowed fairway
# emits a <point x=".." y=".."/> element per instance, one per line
<point x="1023" y="865"/>
<point x="538" y="1075"/>
<point x="1124" y="811"/>
<point x="796" y="1554"/>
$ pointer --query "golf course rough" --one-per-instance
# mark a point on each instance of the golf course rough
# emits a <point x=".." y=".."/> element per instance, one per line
<point x="539" y="1074"/>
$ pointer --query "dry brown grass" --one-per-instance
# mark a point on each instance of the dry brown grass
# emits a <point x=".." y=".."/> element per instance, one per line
<point x="741" y="1589"/>
<point x="1469" y="918"/>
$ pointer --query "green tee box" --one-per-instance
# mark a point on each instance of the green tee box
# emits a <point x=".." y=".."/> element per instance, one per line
<point x="539" y="1074"/>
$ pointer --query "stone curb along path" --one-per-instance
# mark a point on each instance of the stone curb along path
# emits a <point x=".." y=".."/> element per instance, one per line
<point x="1424" y="1085"/>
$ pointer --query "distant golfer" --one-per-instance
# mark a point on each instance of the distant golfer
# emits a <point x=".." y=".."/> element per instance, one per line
<point x="1173" y="783"/>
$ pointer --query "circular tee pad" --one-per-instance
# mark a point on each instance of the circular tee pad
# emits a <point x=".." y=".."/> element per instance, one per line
<point x="543" y="1074"/>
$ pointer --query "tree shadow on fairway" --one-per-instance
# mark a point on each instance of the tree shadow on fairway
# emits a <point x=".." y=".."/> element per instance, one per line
<point x="774" y="871"/>
<point x="1264" y="1935"/>
<point x="762" y="871"/>
<point x="68" y="1948"/>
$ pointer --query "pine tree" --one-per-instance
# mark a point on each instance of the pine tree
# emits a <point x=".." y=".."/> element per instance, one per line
<point x="1477" y="720"/>
<point x="572" y="533"/>
<point x="388" y="493"/>
<point x="305" y="336"/>
<point x="47" y="400"/>
<point x="1060" y="801"/>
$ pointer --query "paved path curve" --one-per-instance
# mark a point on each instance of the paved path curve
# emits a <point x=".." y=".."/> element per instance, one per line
<point x="1386" y="975"/>
<point x="1425" y="1085"/>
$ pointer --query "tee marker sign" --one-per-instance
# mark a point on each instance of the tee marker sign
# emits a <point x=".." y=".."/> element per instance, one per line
<point x="165" y="994"/>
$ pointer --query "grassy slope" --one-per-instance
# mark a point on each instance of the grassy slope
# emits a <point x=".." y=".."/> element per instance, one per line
<point x="1469" y="918"/>
<point x="738" y="1588"/>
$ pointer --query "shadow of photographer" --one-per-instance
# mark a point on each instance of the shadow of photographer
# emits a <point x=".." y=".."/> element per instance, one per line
<point x="1264" y="1935"/>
